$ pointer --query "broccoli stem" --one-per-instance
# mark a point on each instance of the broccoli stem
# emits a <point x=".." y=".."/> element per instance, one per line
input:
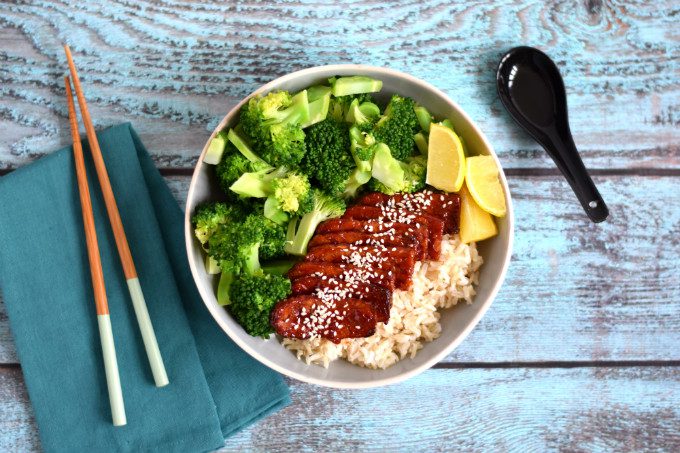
<point x="447" y="123"/>
<point x="279" y="267"/>
<point x="421" y="143"/>
<point x="386" y="168"/>
<point x="216" y="149"/>
<point x="243" y="147"/>
<point x="223" y="288"/>
<point x="250" y="185"/>
<point x="252" y="260"/>
<point x="424" y="118"/>
<point x="317" y="92"/>
<point x="305" y="231"/>
<point x="344" y="86"/>
<point x="318" y="109"/>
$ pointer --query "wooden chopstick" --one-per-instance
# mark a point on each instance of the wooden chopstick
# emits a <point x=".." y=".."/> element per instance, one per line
<point x="100" y="301"/>
<point x="148" y="336"/>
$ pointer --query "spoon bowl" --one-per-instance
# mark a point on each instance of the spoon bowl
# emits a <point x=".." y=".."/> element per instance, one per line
<point x="532" y="90"/>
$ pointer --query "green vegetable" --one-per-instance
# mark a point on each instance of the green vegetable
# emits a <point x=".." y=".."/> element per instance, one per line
<point x="273" y="124"/>
<point x="362" y="148"/>
<point x="208" y="217"/>
<point x="344" y="86"/>
<point x="223" y="288"/>
<point x="318" y="109"/>
<point x="386" y="169"/>
<point x="447" y="123"/>
<point x="288" y="190"/>
<point x="215" y="149"/>
<point x="424" y="118"/>
<point x="317" y="92"/>
<point x="278" y="267"/>
<point x="212" y="267"/>
<point x="298" y="235"/>
<point x="397" y="126"/>
<point x="413" y="177"/>
<point x="252" y="299"/>
<point x="329" y="162"/>
<point x="339" y="106"/>
<point x="363" y="115"/>
<point x="272" y="210"/>
<point x="421" y="143"/>
<point x="359" y="178"/>
<point x="237" y="246"/>
<point x="415" y="170"/>
<point x="241" y="145"/>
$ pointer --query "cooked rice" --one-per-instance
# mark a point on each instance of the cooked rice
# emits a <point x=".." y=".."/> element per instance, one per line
<point x="414" y="318"/>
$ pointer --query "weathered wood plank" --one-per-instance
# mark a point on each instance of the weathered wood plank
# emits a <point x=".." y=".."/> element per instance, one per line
<point x="175" y="69"/>
<point x="584" y="409"/>
<point x="575" y="291"/>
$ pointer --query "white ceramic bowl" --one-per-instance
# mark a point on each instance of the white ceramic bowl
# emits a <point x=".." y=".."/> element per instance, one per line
<point x="457" y="322"/>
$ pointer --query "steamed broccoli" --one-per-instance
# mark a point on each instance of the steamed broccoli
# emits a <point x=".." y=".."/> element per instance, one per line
<point x="273" y="124"/>
<point x="298" y="235"/>
<point x="237" y="246"/>
<point x="397" y="126"/>
<point x="209" y="216"/>
<point x="415" y="171"/>
<point x="340" y="106"/>
<point x="410" y="179"/>
<point x="252" y="299"/>
<point x="362" y="148"/>
<point x="349" y="85"/>
<point x="286" y="191"/>
<point x="329" y="160"/>
<point x="362" y="115"/>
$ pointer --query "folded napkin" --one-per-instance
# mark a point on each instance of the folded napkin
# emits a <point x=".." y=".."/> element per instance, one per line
<point x="215" y="388"/>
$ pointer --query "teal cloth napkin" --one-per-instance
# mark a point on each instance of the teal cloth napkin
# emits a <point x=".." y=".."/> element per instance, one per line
<point x="215" y="388"/>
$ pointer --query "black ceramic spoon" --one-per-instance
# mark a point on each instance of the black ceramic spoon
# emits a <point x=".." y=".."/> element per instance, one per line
<point x="531" y="88"/>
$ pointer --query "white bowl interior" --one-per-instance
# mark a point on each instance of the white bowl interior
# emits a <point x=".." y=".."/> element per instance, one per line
<point x="456" y="322"/>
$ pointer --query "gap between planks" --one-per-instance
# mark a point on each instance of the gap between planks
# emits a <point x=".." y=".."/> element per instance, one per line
<point x="539" y="172"/>
<point x="516" y="365"/>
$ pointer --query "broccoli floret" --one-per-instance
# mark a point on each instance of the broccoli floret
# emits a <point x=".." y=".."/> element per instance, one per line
<point x="292" y="191"/>
<point x="356" y="181"/>
<point x="362" y="148"/>
<point x="298" y="235"/>
<point x="237" y="246"/>
<point x="376" y="186"/>
<point x="386" y="169"/>
<point x="415" y="171"/>
<point x="252" y="299"/>
<point x="340" y="106"/>
<point x="329" y="159"/>
<point x="273" y="240"/>
<point x="273" y="124"/>
<point x="286" y="191"/>
<point x="397" y="126"/>
<point x="411" y="178"/>
<point x="209" y="216"/>
<point x="363" y="115"/>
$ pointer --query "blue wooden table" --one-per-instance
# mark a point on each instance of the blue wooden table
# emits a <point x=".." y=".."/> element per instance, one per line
<point x="580" y="351"/>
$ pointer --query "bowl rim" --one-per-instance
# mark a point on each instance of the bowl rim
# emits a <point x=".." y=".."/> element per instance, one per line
<point x="213" y="309"/>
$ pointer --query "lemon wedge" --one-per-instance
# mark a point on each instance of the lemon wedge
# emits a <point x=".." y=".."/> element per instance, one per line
<point x="445" y="159"/>
<point x="475" y="223"/>
<point x="481" y="176"/>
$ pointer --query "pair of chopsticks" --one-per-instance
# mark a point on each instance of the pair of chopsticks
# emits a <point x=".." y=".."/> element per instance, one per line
<point x="136" y="295"/>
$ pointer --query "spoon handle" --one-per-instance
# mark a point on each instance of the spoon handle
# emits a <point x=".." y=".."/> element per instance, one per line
<point x="566" y="157"/>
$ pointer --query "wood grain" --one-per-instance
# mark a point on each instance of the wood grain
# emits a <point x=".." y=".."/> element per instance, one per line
<point x="575" y="291"/>
<point x="601" y="409"/>
<point x="176" y="69"/>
